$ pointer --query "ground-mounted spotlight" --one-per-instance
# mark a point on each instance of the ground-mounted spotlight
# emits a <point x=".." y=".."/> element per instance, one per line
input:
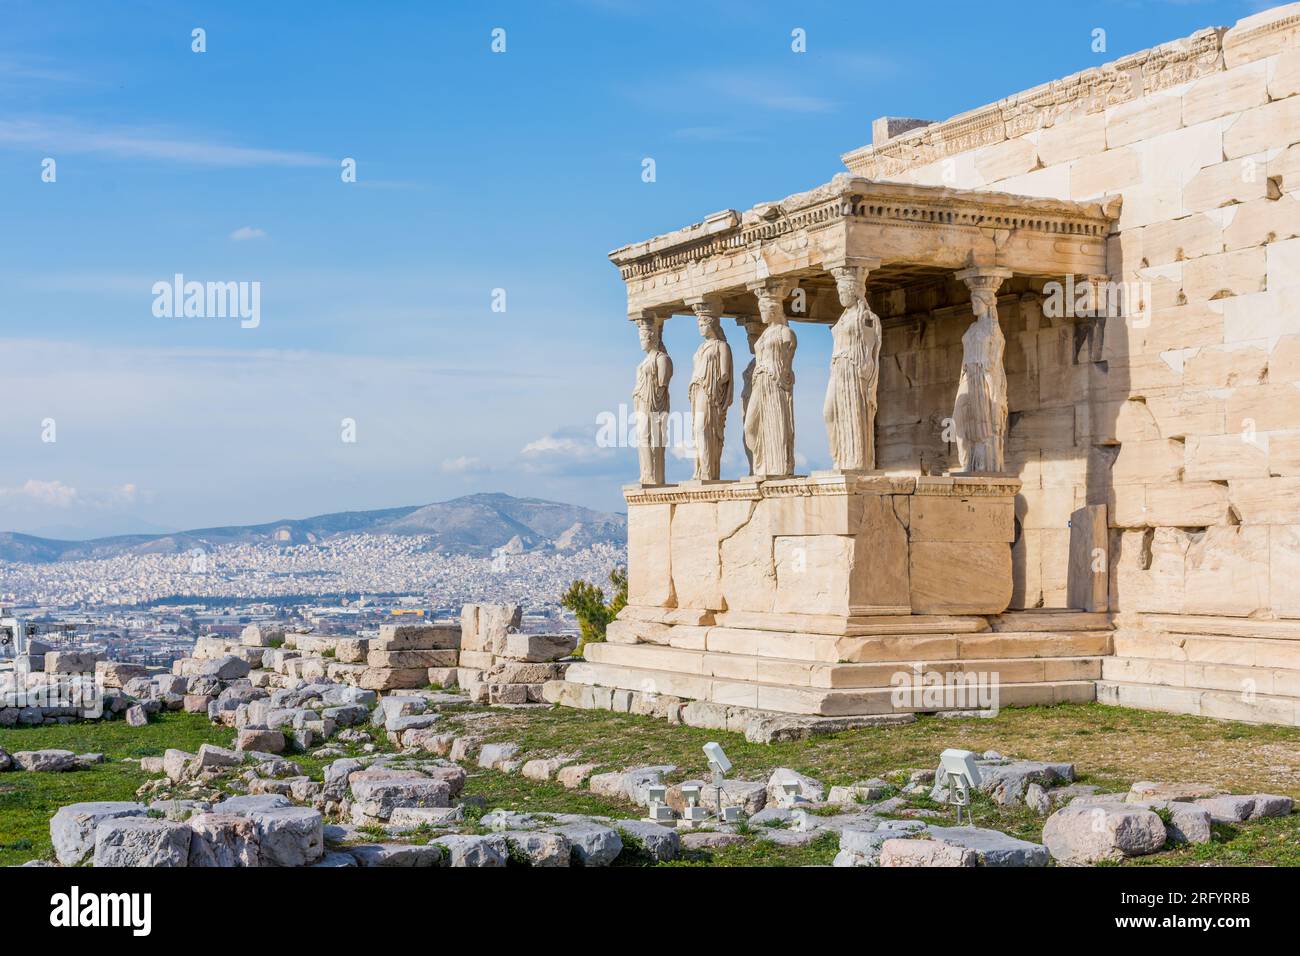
<point x="720" y="765"/>
<point x="659" y="811"/>
<point x="963" y="775"/>
<point x="694" y="814"/>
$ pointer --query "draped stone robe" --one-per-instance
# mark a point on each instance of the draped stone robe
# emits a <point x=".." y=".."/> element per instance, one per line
<point x="650" y="401"/>
<point x="711" y="394"/>
<point x="769" y="419"/>
<point x="850" y="407"/>
<point x="980" y="412"/>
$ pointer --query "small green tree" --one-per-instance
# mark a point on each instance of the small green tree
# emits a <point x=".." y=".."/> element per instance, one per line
<point x="587" y="602"/>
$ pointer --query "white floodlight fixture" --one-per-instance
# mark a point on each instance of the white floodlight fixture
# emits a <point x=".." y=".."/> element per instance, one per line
<point x="963" y="774"/>
<point x="694" y="813"/>
<point x="791" y="790"/>
<point x="719" y="764"/>
<point x="658" y="809"/>
<point x="718" y="761"/>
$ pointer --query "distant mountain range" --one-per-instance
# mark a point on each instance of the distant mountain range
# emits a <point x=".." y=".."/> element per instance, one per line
<point x="474" y="525"/>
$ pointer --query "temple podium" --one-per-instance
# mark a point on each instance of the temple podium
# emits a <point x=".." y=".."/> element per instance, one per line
<point x="829" y="595"/>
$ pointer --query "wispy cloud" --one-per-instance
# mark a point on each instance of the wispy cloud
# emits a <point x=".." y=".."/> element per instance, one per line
<point x="464" y="465"/>
<point x="713" y="134"/>
<point x="244" y="233"/>
<point x="65" y="135"/>
<point x="14" y="70"/>
<point x="771" y="91"/>
<point x="61" y="495"/>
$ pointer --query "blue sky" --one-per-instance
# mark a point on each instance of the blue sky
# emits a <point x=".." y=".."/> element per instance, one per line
<point x="475" y="171"/>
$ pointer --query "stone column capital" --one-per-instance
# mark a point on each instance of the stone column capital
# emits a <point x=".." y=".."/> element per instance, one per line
<point x="984" y="277"/>
<point x="705" y="305"/>
<point x="848" y="264"/>
<point x="769" y="287"/>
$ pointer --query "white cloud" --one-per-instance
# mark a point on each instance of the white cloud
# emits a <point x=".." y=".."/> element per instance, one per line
<point x="465" y="464"/>
<point x="63" y="135"/>
<point x="51" y="494"/>
<point x="247" y="232"/>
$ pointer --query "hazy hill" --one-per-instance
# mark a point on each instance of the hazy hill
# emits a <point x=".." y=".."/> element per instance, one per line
<point x="473" y="524"/>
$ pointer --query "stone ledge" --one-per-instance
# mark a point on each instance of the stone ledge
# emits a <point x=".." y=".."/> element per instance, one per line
<point x="758" y="726"/>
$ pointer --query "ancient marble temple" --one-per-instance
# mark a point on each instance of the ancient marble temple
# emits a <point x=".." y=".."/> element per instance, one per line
<point x="1061" y="408"/>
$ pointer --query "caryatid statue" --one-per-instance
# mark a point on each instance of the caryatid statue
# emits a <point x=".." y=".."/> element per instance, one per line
<point x="980" y="414"/>
<point x="753" y="329"/>
<point x="769" y="417"/>
<point x="650" y="402"/>
<point x="711" y="391"/>
<point x="850" y="408"/>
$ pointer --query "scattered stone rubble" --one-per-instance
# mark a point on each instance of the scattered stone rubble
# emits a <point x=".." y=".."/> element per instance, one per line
<point x="252" y="805"/>
<point x="501" y="665"/>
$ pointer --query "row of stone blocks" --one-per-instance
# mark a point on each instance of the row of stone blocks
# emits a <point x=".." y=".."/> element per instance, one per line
<point x="403" y="656"/>
<point x="907" y="665"/>
<point x="1229" y="668"/>
<point x="500" y="665"/>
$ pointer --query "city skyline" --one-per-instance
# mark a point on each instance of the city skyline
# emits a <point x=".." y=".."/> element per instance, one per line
<point x="376" y="296"/>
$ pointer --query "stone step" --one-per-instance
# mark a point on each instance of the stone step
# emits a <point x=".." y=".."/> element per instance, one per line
<point x="833" y="626"/>
<point x="1222" y="704"/>
<point x="861" y="650"/>
<point x="825" y="702"/>
<point x="1050" y="619"/>
<point x="1280" y="682"/>
<point x="1239" y="651"/>
<point x="886" y="648"/>
<point x="1222" y="626"/>
<point x="770" y="670"/>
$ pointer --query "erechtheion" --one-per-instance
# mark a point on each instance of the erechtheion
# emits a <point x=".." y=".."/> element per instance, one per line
<point x="1063" y="410"/>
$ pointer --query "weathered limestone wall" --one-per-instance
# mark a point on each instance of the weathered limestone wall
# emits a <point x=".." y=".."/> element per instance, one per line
<point x="1187" y="426"/>
<point x="1050" y="438"/>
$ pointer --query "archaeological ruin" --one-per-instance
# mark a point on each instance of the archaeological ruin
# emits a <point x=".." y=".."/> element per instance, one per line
<point x="1062" y="410"/>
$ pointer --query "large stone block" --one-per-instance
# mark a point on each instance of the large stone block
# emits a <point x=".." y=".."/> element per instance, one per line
<point x="1225" y="184"/>
<point x="813" y="573"/>
<point x="694" y="555"/>
<point x="1226" y="93"/>
<point x="540" y="648"/>
<point x="1062" y="142"/>
<point x="1227" y="571"/>
<point x="72" y="828"/>
<point x="70" y="662"/>
<point x="393" y="678"/>
<point x="417" y="637"/>
<point x="1088" y="575"/>
<point x="960" y="578"/>
<point x="1264" y="127"/>
<point x="1220" y="457"/>
<point x="1143" y="118"/>
<point x="140" y="841"/>
<point x="1261" y="35"/>
<point x="1226" y="274"/>
<point x="223" y="840"/>
<point x="289" y="836"/>
<point x="412" y="659"/>
<point x="649" y="555"/>
<point x="1265" y="220"/>
<point x="748" y="574"/>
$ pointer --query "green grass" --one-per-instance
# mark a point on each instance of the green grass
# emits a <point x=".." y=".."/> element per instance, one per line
<point x="758" y="852"/>
<point x="28" y="800"/>
<point x="1110" y="747"/>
